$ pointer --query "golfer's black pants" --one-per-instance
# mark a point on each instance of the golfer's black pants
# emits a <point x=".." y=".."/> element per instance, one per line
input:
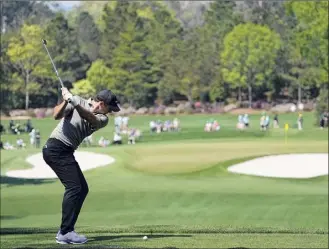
<point x="61" y="159"/>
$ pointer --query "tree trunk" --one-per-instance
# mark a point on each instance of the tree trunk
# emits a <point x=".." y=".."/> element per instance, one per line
<point x="239" y="95"/>
<point x="299" y="93"/>
<point x="27" y="91"/>
<point x="189" y="96"/>
<point x="250" y="95"/>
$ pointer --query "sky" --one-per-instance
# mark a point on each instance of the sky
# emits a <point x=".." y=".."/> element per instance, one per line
<point x="67" y="5"/>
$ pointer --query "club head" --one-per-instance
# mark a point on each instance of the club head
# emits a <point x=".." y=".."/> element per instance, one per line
<point x="44" y="41"/>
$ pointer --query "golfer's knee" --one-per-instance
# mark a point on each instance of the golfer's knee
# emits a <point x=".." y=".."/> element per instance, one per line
<point x="78" y="190"/>
<point x="85" y="190"/>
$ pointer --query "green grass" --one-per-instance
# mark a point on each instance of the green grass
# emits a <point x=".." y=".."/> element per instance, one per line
<point x="175" y="188"/>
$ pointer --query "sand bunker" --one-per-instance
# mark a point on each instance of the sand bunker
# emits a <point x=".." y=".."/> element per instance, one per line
<point x="285" y="166"/>
<point x="40" y="170"/>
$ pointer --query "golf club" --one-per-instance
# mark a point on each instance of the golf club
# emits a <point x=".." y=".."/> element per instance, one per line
<point x="44" y="42"/>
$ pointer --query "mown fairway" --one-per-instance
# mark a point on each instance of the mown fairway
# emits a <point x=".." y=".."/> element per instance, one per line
<point x="174" y="188"/>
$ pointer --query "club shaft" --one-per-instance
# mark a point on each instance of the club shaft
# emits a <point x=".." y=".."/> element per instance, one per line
<point x="60" y="80"/>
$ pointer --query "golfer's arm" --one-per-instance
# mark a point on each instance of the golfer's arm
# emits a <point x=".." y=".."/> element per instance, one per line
<point x="87" y="115"/>
<point x="59" y="110"/>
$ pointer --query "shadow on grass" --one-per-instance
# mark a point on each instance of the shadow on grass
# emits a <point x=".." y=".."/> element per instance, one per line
<point x="13" y="181"/>
<point x="19" y="230"/>
<point x="8" y="217"/>
<point x="139" y="236"/>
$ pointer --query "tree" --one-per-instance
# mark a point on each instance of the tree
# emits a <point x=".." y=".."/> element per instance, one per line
<point x="301" y="73"/>
<point x="83" y="88"/>
<point x="220" y="18"/>
<point x="98" y="76"/>
<point x="88" y="35"/>
<point x="182" y="73"/>
<point x="309" y="45"/>
<point x="249" y="56"/>
<point x="93" y="8"/>
<point x="311" y="31"/>
<point x="114" y="20"/>
<point x="133" y="59"/>
<point x="28" y="58"/>
<point x="65" y="50"/>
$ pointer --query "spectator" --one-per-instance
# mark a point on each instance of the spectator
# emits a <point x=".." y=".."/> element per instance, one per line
<point x="267" y="122"/>
<point x="103" y="142"/>
<point x="117" y="139"/>
<point x="246" y="120"/>
<point x="1" y="145"/>
<point x="262" y="122"/>
<point x="167" y="125"/>
<point x="153" y="126"/>
<point x="32" y="135"/>
<point x="240" y="125"/>
<point x="207" y="127"/>
<point x="215" y="126"/>
<point x="20" y="143"/>
<point x="37" y="138"/>
<point x="323" y="120"/>
<point x="276" y="121"/>
<point x="118" y="123"/>
<point x="125" y="121"/>
<point x="2" y="128"/>
<point x="159" y="126"/>
<point x="176" y="124"/>
<point x="28" y="126"/>
<point x="300" y="121"/>
<point x="8" y="146"/>
<point x="88" y="140"/>
<point x="132" y="136"/>
<point x="12" y="126"/>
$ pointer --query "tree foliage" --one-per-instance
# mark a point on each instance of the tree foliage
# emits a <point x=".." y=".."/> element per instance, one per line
<point x="249" y="56"/>
<point x="153" y="52"/>
<point x="25" y="52"/>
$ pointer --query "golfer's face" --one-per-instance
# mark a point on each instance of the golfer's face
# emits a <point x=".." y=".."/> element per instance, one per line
<point x="99" y="107"/>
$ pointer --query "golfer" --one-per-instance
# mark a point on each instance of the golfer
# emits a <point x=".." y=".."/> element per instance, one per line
<point x="79" y="119"/>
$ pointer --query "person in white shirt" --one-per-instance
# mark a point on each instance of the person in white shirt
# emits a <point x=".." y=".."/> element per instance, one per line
<point x="117" y="139"/>
<point x="125" y="121"/>
<point x="152" y="126"/>
<point x="117" y="124"/>
<point x="246" y="120"/>
<point x="176" y="124"/>
<point x="32" y="137"/>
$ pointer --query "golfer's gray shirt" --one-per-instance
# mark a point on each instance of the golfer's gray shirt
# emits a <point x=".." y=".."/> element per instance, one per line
<point x="72" y="129"/>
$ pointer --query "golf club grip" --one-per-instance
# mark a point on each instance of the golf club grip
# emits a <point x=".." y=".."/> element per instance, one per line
<point x="60" y="80"/>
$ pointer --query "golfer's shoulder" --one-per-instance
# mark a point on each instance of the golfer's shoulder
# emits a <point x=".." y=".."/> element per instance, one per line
<point x="84" y="102"/>
<point x="102" y="118"/>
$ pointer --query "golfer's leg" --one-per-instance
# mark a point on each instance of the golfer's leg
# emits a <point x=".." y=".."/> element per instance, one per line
<point x="83" y="194"/>
<point x="64" y="165"/>
<point x="75" y="192"/>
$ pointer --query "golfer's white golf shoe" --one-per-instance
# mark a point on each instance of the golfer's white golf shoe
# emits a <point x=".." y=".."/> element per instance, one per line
<point x="70" y="238"/>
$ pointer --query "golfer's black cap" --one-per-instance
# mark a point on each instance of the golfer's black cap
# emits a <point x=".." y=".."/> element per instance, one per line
<point x="109" y="98"/>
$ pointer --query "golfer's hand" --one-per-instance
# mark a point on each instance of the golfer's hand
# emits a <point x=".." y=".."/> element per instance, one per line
<point x="66" y="94"/>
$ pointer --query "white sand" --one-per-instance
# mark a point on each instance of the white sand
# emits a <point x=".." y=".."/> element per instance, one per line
<point x="40" y="170"/>
<point x="285" y="166"/>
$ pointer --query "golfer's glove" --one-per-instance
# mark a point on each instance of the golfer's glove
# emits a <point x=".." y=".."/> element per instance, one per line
<point x="66" y="94"/>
